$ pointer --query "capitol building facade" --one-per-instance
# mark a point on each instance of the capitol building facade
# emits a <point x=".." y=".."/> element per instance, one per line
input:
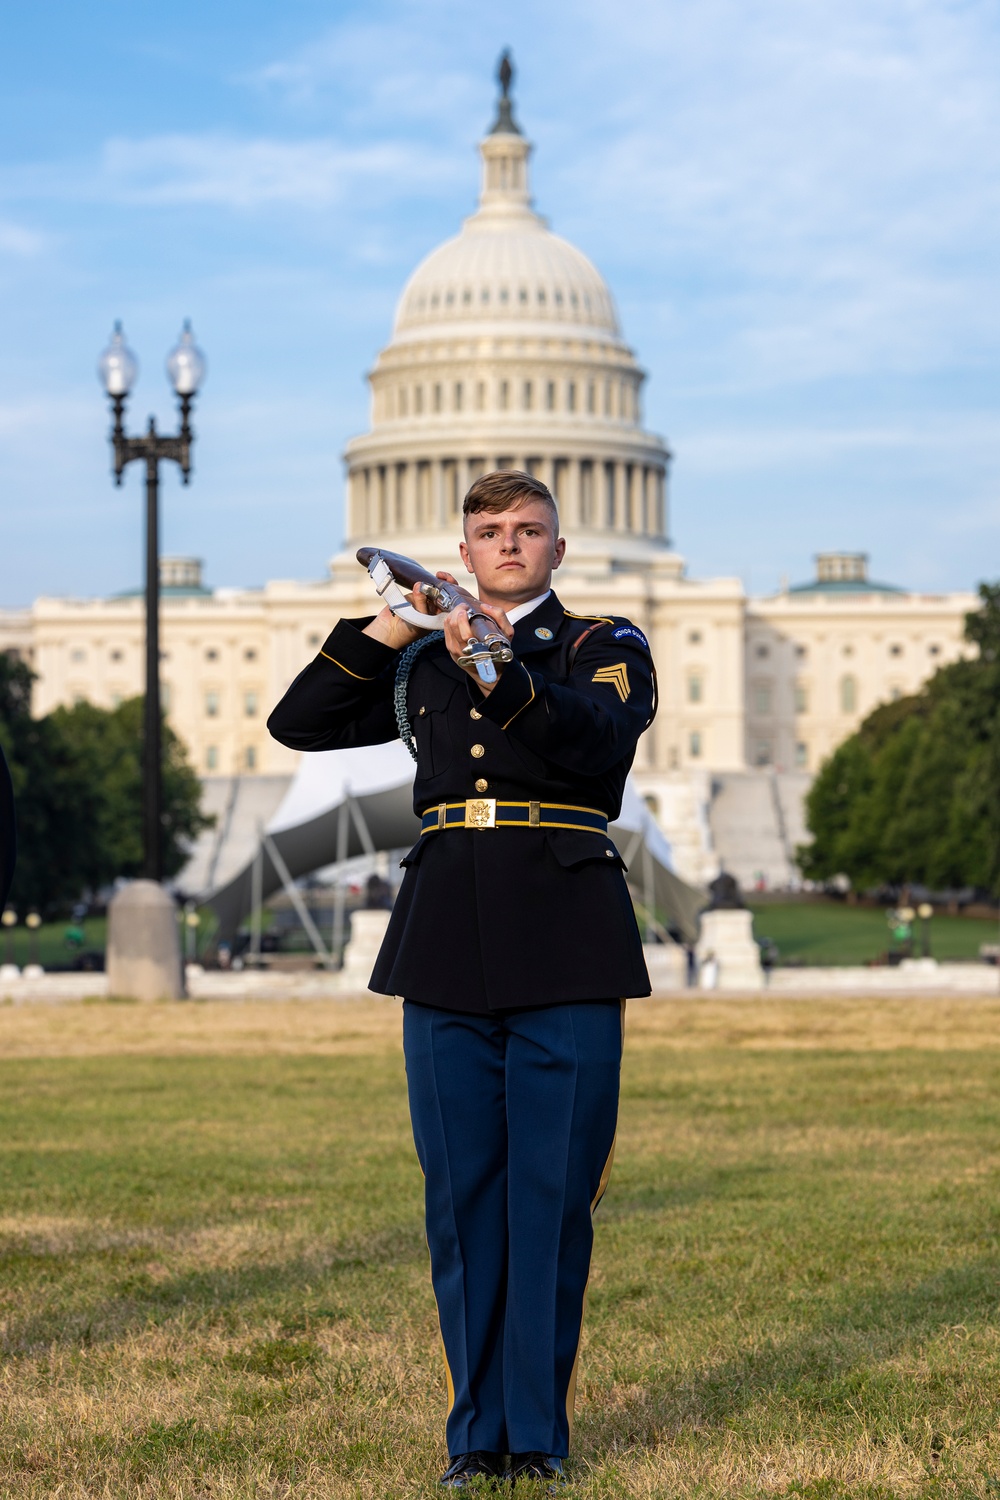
<point x="507" y="353"/>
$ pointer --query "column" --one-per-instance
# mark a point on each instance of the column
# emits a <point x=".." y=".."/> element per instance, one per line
<point x="571" y="492"/>
<point x="620" y="481"/>
<point x="439" y="498"/>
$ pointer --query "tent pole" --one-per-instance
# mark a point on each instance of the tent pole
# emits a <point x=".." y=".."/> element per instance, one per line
<point x="296" y="900"/>
<point x="648" y="889"/>
<point x="256" y="897"/>
<point x="339" y="894"/>
<point x="360" y="823"/>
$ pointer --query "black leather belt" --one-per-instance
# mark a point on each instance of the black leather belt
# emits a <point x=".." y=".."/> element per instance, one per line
<point x="487" y="812"/>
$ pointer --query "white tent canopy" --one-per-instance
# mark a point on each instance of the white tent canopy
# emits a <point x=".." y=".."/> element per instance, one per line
<point x="343" y="803"/>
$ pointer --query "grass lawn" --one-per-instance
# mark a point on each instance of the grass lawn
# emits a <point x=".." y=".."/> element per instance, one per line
<point x="839" y="934"/>
<point x="215" y="1282"/>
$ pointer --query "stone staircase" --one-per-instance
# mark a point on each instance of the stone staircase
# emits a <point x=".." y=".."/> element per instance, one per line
<point x="757" y="818"/>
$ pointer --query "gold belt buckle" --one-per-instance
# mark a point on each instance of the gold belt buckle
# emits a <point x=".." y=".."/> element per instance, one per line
<point x="481" y="812"/>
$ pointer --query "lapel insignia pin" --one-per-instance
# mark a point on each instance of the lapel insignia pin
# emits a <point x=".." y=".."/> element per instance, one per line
<point x="543" y="633"/>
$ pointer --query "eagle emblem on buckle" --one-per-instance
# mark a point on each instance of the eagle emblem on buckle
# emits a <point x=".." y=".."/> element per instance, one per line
<point x="481" y="812"/>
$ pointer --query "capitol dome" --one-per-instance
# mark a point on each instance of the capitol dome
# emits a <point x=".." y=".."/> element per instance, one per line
<point x="507" y="352"/>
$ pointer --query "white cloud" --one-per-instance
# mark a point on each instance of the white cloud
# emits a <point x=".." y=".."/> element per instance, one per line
<point x="735" y="450"/>
<point x="18" y="241"/>
<point x="241" y="174"/>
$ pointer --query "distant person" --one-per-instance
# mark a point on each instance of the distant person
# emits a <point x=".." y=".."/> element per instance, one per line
<point x="8" y="833"/>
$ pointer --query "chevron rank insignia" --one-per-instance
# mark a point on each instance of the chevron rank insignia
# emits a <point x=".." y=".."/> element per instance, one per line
<point x="617" y="676"/>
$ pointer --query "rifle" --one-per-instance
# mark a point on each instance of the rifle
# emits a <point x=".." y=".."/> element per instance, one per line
<point x="394" y="575"/>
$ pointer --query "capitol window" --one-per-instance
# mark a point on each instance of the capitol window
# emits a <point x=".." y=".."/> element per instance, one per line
<point x="694" y="637"/>
<point x="504" y="294"/>
<point x="763" y="652"/>
<point x="801" y="699"/>
<point x="694" y="744"/>
<point x="211" y="654"/>
<point x="558" y="298"/>
<point x="467" y="296"/>
<point x="78" y="655"/>
<point x="526" y="395"/>
<point x="541" y="296"/>
<point x="117" y="655"/>
<point x="801" y="755"/>
<point x="402" y="401"/>
<point x="438" y="398"/>
<point x="848" y="695"/>
<point x="418" y="399"/>
<point x="762" y="698"/>
<point x="458" y="395"/>
<point x="212" y="704"/>
<point x="522" y="295"/>
<point x="591" y="396"/>
<point x="550" y="395"/>
<point x="571" y="396"/>
<point x="480" y="394"/>
<point x="934" y="650"/>
<point x="312" y="640"/>
<point x="250" y="757"/>
<point x="484" y="295"/>
<point x="694" y="689"/>
<point x="607" y="398"/>
<point x="762" y="754"/>
<point x="250" y="704"/>
<point x="211" y="758"/>
<point x="504" y="395"/>
<point x="250" y="654"/>
<point x="895" y="650"/>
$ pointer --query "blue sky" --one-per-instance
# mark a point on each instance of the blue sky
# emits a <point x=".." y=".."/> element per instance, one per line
<point x="797" y="206"/>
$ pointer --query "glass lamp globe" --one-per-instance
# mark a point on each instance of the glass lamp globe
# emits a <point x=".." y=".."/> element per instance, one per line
<point x="118" y="366"/>
<point x="186" y="363"/>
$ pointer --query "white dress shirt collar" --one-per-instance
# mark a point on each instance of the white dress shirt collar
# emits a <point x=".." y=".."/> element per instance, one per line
<point x="520" y="610"/>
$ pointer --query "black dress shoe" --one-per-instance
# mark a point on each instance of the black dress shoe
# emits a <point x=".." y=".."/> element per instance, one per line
<point x="538" y="1466"/>
<point x="465" y="1467"/>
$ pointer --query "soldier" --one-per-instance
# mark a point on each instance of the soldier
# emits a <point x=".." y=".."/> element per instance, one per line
<point x="512" y="941"/>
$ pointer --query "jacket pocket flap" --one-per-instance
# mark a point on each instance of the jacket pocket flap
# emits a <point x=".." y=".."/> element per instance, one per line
<point x="572" y="848"/>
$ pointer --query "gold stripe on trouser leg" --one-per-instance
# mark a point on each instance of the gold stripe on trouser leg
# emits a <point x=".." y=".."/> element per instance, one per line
<point x="602" y="1188"/>
<point x="447" y="1374"/>
<point x="449" y="1383"/>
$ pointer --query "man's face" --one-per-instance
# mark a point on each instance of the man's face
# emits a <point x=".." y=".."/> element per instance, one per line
<point x="512" y="554"/>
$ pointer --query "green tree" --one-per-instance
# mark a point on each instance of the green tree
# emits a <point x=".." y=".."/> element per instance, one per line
<point x="914" y="795"/>
<point x="54" y="800"/>
<point x="77" y="777"/>
<point x="110" y="745"/>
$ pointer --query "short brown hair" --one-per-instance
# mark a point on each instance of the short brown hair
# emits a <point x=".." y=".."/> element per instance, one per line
<point x="506" y="489"/>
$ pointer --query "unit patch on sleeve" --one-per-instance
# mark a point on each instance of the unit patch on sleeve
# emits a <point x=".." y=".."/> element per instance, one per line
<point x="617" y="676"/>
<point x="634" y="632"/>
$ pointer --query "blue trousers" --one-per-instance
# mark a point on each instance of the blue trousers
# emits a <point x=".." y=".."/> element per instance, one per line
<point x="514" y="1119"/>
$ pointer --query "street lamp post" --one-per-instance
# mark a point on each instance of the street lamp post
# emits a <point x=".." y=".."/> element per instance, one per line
<point x="118" y="369"/>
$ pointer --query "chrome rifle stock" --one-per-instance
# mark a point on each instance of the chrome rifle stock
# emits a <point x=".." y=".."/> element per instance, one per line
<point x="394" y="576"/>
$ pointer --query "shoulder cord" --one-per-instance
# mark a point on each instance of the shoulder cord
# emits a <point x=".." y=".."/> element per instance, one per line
<point x="403" y="669"/>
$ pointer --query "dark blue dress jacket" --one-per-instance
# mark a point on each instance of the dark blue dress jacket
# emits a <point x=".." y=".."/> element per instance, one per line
<point x="501" y="918"/>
